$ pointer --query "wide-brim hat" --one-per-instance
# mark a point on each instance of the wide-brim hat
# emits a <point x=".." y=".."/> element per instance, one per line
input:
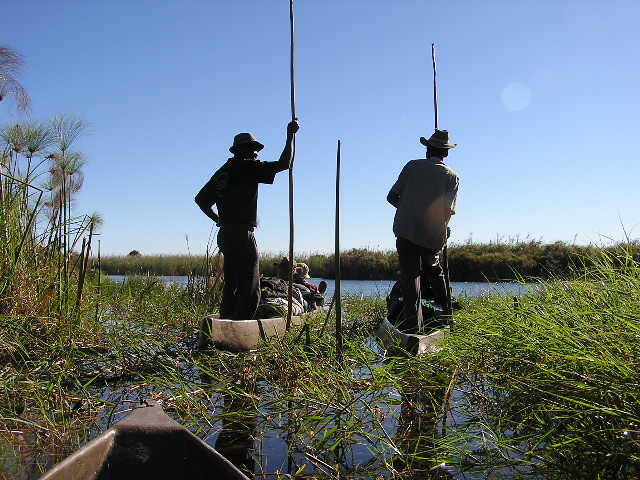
<point x="440" y="139"/>
<point x="245" y="138"/>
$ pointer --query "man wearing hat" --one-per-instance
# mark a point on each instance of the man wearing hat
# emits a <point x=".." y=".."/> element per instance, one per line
<point x="234" y="189"/>
<point x="424" y="196"/>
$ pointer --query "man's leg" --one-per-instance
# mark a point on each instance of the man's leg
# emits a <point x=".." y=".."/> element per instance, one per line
<point x="432" y="270"/>
<point x="225" y="244"/>
<point x="248" y="295"/>
<point x="409" y="259"/>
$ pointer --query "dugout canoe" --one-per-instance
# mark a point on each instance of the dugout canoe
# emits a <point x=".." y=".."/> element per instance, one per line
<point x="147" y="445"/>
<point x="395" y="341"/>
<point x="241" y="335"/>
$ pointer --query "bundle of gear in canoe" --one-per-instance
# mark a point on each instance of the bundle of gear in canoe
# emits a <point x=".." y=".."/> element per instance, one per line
<point x="274" y="292"/>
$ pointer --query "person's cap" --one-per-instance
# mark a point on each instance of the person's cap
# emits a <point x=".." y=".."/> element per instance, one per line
<point x="245" y="139"/>
<point x="440" y="139"/>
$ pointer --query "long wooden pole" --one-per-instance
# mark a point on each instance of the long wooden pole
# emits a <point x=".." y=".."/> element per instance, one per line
<point x="448" y="310"/>
<point x="435" y="85"/>
<point x="292" y="71"/>
<point x="337" y="260"/>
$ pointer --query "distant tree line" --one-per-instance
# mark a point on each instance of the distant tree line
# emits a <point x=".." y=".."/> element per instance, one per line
<point x="494" y="261"/>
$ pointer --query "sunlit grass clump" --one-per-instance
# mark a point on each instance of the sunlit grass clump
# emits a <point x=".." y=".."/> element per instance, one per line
<point x="549" y="383"/>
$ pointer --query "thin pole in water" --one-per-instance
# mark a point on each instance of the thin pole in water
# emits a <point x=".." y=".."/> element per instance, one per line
<point x="337" y="259"/>
<point x="448" y="309"/>
<point x="99" y="283"/>
<point x="292" y="71"/>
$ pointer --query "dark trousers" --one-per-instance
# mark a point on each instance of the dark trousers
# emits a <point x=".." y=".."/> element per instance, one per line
<point x="241" y="293"/>
<point x="416" y="262"/>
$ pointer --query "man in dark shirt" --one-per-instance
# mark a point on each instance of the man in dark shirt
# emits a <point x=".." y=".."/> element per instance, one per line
<point x="234" y="189"/>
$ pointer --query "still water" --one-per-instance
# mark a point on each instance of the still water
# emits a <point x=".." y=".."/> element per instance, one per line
<point x="380" y="288"/>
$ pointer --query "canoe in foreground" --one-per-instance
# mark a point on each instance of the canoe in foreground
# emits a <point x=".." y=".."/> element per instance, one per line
<point x="241" y="335"/>
<point x="394" y="340"/>
<point x="148" y="444"/>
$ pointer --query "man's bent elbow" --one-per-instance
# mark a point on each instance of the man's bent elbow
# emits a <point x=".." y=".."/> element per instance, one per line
<point x="201" y="202"/>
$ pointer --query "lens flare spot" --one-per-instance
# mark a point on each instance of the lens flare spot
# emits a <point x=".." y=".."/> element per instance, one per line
<point x="516" y="96"/>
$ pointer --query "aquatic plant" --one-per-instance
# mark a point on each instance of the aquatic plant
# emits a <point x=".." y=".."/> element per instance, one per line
<point x="547" y="386"/>
<point x="10" y="65"/>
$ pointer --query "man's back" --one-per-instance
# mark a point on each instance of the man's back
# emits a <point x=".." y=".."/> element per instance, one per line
<point x="427" y="192"/>
<point x="234" y="188"/>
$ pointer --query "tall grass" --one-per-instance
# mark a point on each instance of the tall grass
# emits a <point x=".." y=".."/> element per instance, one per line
<point x="42" y="272"/>
<point x="59" y="331"/>
<point x="548" y="385"/>
<point x="542" y="388"/>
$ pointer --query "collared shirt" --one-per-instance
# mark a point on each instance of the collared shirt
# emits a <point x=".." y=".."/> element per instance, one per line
<point x="234" y="188"/>
<point x="427" y="191"/>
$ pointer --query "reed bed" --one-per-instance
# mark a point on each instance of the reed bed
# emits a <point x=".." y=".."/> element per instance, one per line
<point x="501" y="260"/>
<point x="545" y="387"/>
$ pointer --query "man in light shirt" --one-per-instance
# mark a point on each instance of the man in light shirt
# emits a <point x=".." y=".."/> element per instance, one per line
<point x="424" y="196"/>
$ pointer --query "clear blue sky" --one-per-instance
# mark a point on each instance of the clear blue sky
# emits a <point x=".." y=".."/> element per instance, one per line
<point x="542" y="97"/>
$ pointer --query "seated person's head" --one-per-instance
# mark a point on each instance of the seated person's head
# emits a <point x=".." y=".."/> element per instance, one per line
<point x="282" y="268"/>
<point x="300" y="272"/>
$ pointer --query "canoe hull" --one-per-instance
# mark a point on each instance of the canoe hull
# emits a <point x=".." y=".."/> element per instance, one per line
<point x="241" y="335"/>
<point x="395" y="341"/>
<point x="148" y="444"/>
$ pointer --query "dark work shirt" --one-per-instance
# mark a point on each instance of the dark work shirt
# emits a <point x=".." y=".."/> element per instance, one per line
<point x="234" y="188"/>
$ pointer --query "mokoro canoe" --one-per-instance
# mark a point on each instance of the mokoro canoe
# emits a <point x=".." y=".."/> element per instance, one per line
<point x="148" y="444"/>
<point x="395" y="341"/>
<point x="240" y="335"/>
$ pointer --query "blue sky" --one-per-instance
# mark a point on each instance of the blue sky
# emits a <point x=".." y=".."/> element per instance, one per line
<point x="541" y="96"/>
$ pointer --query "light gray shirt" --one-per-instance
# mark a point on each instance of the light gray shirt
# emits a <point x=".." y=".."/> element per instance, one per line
<point x="427" y="191"/>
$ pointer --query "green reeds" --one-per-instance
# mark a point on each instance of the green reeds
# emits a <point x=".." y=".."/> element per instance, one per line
<point x="550" y="383"/>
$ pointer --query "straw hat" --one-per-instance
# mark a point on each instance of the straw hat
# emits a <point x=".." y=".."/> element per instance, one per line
<point x="245" y="139"/>
<point x="440" y="139"/>
<point x="301" y="270"/>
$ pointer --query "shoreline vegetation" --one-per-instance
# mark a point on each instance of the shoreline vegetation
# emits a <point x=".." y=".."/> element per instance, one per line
<point x="468" y="262"/>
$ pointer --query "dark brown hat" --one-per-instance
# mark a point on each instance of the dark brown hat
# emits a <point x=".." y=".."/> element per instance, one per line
<point x="440" y="139"/>
<point x="245" y="139"/>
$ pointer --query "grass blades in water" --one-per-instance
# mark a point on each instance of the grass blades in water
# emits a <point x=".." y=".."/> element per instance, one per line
<point x="542" y="388"/>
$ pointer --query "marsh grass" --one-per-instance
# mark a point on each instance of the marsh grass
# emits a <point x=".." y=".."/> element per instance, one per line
<point x="542" y="388"/>
<point x="549" y="385"/>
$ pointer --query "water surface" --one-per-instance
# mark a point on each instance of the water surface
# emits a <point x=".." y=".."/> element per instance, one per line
<point x="380" y="288"/>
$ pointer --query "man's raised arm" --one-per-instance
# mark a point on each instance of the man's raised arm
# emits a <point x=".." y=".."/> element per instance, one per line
<point x="287" y="154"/>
